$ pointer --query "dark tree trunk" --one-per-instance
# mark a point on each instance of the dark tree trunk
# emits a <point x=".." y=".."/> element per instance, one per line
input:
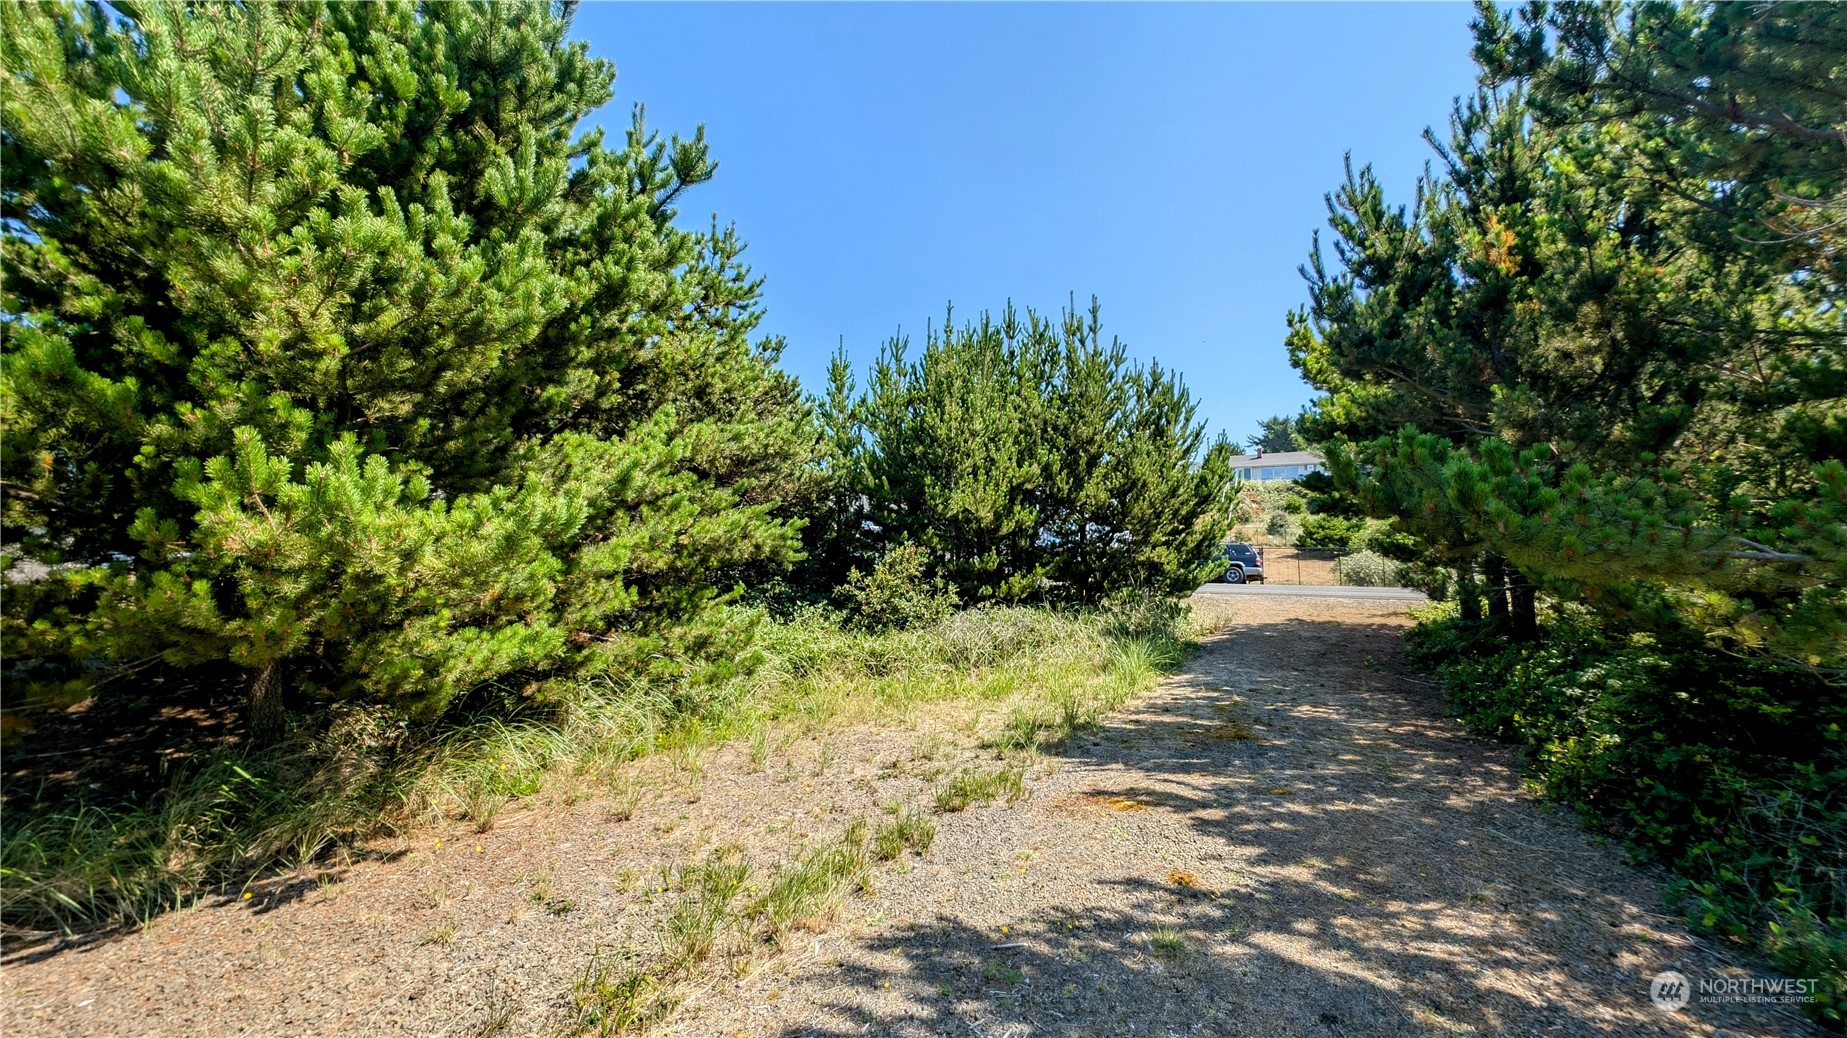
<point x="1494" y="568"/>
<point x="267" y="717"/>
<point x="1524" y="614"/>
<point x="1468" y="592"/>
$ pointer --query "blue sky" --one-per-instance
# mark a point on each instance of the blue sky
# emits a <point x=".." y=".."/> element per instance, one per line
<point x="882" y="160"/>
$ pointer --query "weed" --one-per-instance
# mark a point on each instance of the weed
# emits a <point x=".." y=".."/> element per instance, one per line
<point x="999" y="972"/>
<point x="930" y="747"/>
<point x="809" y="890"/>
<point x="484" y="809"/>
<point x="615" y="995"/>
<point x="981" y="786"/>
<point x="495" y="1021"/>
<point x="760" y="747"/>
<point x="624" y="798"/>
<point x="1166" y="942"/>
<point x="908" y="828"/>
<point x="441" y="935"/>
<point x="692" y="928"/>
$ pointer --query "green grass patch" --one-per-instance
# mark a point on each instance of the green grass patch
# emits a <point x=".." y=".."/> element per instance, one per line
<point x="910" y="829"/>
<point x="616" y="994"/>
<point x="807" y="891"/>
<point x="981" y="786"/>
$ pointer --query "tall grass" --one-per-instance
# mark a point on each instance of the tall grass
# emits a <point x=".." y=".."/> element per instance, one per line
<point x="225" y="821"/>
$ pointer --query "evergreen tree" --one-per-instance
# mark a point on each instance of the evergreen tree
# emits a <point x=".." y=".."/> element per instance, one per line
<point x="1580" y="351"/>
<point x="1277" y="434"/>
<point x="338" y="351"/>
<point x="1030" y="460"/>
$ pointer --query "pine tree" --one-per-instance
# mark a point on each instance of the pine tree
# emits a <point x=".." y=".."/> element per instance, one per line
<point x="1276" y="434"/>
<point x="340" y="352"/>
<point x="1579" y="352"/>
<point x="1031" y="461"/>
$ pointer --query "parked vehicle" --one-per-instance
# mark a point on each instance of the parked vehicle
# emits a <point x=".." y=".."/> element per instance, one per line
<point x="1242" y="563"/>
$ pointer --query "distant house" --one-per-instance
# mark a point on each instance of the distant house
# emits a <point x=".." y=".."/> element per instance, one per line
<point x="1281" y="465"/>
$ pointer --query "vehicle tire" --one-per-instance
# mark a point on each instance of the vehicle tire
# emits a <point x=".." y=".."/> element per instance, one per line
<point x="1234" y="575"/>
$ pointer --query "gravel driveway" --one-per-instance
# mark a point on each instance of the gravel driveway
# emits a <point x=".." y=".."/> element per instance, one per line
<point x="1287" y="838"/>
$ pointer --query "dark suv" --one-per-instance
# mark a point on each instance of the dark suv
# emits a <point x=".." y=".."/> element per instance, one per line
<point x="1242" y="563"/>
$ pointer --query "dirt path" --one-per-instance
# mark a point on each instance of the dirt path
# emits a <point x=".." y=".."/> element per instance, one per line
<point x="1356" y="866"/>
<point x="1284" y="839"/>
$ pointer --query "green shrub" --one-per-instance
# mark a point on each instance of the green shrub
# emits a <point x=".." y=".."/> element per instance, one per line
<point x="1729" y="769"/>
<point x="898" y="593"/>
<point x="382" y="457"/>
<point x="1329" y="531"/>
<point x="1369" y="569"/>
<point x="1137" y="615"/>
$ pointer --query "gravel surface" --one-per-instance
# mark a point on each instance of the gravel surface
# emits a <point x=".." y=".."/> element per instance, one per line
<point x="1287" y="838"/>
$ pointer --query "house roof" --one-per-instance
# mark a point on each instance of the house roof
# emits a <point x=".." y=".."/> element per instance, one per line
<point x="1245" y="461"/>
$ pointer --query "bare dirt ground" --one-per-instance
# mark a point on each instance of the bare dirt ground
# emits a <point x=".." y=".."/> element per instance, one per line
<point x="1286" y="838"/>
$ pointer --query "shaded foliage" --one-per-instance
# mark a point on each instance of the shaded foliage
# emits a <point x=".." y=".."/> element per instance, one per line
<point x="1732" y="770"/>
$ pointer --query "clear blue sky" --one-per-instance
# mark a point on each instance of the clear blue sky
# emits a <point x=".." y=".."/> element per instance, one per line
<point x="882" y="160"/>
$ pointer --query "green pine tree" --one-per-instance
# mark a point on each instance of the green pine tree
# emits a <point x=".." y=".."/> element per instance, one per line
<point x="1584" y="351"/>
<point x="340" y="352"/>
<point x="1030" y="460"/>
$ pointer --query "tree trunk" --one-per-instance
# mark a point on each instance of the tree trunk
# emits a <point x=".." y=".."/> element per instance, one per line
<point x="1494" y="568"/>
<point x="1468" y="591"/>
<point x="267" y="717"/>
<point x="1524" y="614"/>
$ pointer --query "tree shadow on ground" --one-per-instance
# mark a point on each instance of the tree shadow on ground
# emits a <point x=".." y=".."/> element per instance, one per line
<point x="1353" y="864"/>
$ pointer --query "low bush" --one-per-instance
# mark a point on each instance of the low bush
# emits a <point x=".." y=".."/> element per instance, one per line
<point x="898" y="593"/>
<point x="1329" y="531"/>
<point x="1730" y="770"/>
<point x="1369" y="569"/>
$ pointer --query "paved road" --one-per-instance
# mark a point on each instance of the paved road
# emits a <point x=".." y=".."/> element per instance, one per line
<point x="1395" y="594"/>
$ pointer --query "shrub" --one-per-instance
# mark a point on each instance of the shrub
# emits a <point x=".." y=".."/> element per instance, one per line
<point x="387" y="455"/>
<point x="1369" y="569"/>
<point x="1731" y="770"/>
<point x="1329" y="531"/>
<point x="1034" y="461"/>
<point x="898" y="593"/>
